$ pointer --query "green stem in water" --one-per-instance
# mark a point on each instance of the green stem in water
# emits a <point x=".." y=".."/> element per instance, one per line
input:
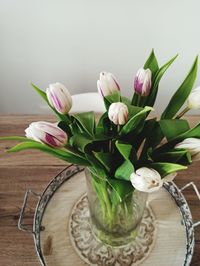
<point x="182" y="113"/>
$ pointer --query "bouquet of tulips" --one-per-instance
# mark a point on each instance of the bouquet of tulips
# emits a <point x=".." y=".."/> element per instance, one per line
<point x="126" y="148"/>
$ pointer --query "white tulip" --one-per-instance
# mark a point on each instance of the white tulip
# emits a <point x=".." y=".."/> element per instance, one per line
<point x="47" y="133"/>
<point x="107" y="84"/>
<point x="193" y="101"/>
<point x="146" y="180"/>
<point x="192" y="145"/>
<point x="118" y="113"/>
<point x="59" y="97"/>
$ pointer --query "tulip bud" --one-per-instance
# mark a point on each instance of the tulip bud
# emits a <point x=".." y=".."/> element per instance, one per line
<point x="59" y="98"/>
<point x="192" y="145"/>
<point x="142" y="82"/>
<point x="118" y="113"/>
<point x="146" y="180"/>
<point x="193" y="101"/>
<point x="107" y="84"/>
<point x="47" y="133"/>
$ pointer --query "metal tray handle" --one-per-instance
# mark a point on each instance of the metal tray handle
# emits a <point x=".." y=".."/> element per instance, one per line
<point x="22" y="226"/>
<point x="197" y="193"/>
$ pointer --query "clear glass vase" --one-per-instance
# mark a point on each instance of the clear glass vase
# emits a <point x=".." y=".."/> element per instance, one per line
<point x="115" y="222"/>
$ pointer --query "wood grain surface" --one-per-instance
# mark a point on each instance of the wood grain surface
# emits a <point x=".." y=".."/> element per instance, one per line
<point x="33" y="169"/>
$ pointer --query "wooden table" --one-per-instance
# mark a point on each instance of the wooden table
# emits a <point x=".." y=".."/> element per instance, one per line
<point x="33" y="169"/>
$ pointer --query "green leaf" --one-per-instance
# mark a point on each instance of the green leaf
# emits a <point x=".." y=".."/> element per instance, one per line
<point x="191" y="133"/>
<point x="152" y="63"/>
<point x="69" y="155"/>
<point x="181" y="95"/>
<point x="41" y="93"/>
<point x="133" y="110"/>
<point x="121" y="190"/>
<point x="80" y="141"/>
<point x="96" y="167"/>
<point x="174" y="156"/>
<point x="87" y="121"/>
<point x="103" y="124"/>
<point x="147" y="129"/>
<point x="113" y="98"/>
<point x="124" y="171"/>
<point x="105" y="158"/>
<point x="172" y="128"/>
<point x="126" y="168"/>
<point x="166" y="168"/>
<point x="135" y="120"/>
<point x="124" y="149"/>
<point x="153" y="138"/>
<point x="126" y="100"/>
<point x="150" y="100"/>
<point x="100" y="177"/>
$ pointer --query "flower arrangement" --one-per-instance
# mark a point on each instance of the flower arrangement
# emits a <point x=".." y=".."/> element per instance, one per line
<point x="125" y="150"/>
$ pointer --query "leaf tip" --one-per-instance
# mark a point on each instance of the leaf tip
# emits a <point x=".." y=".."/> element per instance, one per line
<point x="196" y="59"/>
<point x="175" y="56"/>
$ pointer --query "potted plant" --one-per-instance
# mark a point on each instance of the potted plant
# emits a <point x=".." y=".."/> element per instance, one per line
<point x="126" y="154"/>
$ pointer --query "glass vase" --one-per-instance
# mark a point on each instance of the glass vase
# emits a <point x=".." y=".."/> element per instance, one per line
<point x="114" y="220"/>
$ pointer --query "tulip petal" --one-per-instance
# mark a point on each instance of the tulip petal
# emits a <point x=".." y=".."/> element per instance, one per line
<point x="146" y="180"/>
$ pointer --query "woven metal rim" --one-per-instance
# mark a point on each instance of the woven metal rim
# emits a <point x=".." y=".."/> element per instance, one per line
<point x="70" y="171"/>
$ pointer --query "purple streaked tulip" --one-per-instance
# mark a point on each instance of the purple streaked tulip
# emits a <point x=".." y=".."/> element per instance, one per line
<point x="142" y="82"/>
<point x="47" y="133"/>
<point x="118" y="113"/>
<point x="107" y="84"/>
<point x="59" y="98"/>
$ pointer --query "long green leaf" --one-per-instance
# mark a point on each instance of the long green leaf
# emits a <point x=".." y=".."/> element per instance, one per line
<point x="147" y="129"/>
<point x="68" y="155"/>
<point x="166" y="168"/>
<point x="122" y="190"/>
<point x="150" y="100"/>
<point x="135" y="120"/>
<point x="175" y="156"/>
<point x="105" y="158"/>
<point x="87" y="121"/>
<point x="181" y="95"/>
<point x="172" y="128"/>
<point x="124" y="171"/>
<point x="80" y="141"/>
<point x="152" y="63"/>
<point x="113" y="98"/>
<point x="153" y="138"/>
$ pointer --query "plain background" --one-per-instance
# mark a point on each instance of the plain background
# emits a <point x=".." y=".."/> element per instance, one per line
<point x="71" y="41"/>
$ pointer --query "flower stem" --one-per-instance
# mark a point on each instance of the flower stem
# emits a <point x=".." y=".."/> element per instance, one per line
<point x="182" y="113"/>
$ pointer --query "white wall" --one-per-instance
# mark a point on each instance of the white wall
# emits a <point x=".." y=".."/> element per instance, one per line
<point x="71" y="41"/>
